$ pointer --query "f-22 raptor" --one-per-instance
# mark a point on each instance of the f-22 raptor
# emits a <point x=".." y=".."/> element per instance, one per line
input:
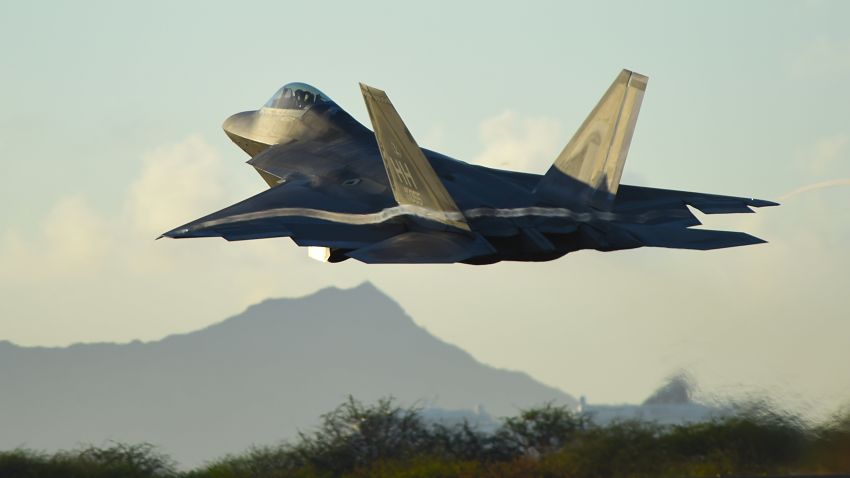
<point x="346" y="192"/>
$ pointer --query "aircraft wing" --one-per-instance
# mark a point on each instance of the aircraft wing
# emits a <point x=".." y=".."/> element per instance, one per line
<point x="303" y="210"/>
<point x="367" y="232"/>
<point x="362" y="221"/>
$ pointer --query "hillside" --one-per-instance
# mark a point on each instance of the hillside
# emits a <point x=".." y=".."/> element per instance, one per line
<point x="256" y="377"/>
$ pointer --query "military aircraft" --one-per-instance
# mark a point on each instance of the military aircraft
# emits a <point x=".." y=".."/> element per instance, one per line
<point x="346" y="192"/>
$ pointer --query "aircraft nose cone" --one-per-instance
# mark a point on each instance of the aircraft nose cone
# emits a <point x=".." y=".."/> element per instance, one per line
<point x="243" y="129"/>
<point x="238" y="124"/>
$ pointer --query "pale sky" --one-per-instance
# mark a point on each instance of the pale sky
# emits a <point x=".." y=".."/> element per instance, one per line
<point x="110" y="133"/>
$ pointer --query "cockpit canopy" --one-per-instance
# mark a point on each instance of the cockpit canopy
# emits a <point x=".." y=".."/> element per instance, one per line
<point x="297" y="96"/>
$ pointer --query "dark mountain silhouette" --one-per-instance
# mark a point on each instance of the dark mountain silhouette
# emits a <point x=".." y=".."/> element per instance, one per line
<point x="255" y="378"/>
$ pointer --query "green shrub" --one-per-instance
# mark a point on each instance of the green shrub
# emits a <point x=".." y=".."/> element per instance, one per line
<point x="116" y="460"/>
<point x="386" y="440"/>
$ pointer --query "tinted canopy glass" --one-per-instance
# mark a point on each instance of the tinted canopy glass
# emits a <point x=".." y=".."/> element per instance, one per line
<point x="297" y="96"/>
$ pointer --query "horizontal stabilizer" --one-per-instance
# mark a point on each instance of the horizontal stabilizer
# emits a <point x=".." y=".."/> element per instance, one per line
<point x="589" y="168"/>
<point x="422" y="248"/>
<point x="412" y="179"/>
<point x="684" y="238"/>
<point x="636" y="198"/>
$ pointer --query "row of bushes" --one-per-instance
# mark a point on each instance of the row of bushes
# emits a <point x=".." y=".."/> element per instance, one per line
<point x="388" y="440"/>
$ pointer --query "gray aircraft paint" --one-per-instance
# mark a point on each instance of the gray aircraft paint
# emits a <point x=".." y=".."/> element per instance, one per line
<point x="378" y="197"/>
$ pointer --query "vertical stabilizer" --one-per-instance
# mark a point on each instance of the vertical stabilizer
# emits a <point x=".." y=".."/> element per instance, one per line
<point x="588" y="170"/>
<point x="412" y="179"/>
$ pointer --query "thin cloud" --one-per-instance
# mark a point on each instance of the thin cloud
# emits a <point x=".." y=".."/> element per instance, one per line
<point x="833" y="183"/>
<point x="106" y="270"/>
<point x="825" y="155"/>
<point x="821" y="58"/>
<point x="521" y="143"/>
<point x="176" y="182"/>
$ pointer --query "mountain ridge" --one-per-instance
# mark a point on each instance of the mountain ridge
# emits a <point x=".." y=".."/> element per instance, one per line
<point x="254" y="378"/>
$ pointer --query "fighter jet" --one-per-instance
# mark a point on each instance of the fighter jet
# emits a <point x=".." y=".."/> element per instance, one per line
<point x="344" y="191"/>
